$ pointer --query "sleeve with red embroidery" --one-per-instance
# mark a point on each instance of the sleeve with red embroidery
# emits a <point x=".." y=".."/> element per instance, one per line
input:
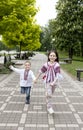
<point x="43" y="69"/>
<point x="57" y="69"/>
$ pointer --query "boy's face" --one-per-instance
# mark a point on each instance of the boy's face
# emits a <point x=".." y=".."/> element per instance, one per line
<point x="27" y="66"/>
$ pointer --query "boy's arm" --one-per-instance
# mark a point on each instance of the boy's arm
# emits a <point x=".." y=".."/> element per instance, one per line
<point x="42" y="70"/>
<point x="14" y="69"/>
<point x="33" y="76"/>
<point x="38" y="75"/>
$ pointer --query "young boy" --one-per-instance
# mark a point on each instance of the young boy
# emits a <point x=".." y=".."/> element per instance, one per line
<point x="26" y="79"/>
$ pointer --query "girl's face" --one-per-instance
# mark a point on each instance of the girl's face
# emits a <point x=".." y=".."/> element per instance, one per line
<point x="52" y="57"/>
<point x="27" y="66"/>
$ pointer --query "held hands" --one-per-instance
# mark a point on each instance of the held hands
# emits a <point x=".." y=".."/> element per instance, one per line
<point x="35" y="81"/>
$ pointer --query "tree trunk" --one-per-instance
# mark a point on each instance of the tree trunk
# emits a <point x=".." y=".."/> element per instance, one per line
<point x="70" y="52"/>
<point x="81" y="49"/>
<point x="20" y="49"/>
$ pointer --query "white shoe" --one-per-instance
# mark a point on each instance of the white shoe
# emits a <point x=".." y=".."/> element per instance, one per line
<point x="50" y="110"/>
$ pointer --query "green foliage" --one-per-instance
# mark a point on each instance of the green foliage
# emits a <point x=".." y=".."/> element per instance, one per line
<point x="45" y="39"/>
<point x="8" y="64"/>
<point x="18" y="25"/>
<point x="2" y="46"/>
<point x="69" y="23"/>
<point x="4" y="70"/>
<point x="66" y="28"/>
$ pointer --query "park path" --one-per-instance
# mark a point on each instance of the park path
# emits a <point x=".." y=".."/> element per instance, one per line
<point x="67" y="100"/>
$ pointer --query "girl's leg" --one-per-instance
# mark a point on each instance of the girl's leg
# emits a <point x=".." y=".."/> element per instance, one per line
<point x="28" y="89"/>
<point x="48" y="96"/>
<point x="53" y="89"/>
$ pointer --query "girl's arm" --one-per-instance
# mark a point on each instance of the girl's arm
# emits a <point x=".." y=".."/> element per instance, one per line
<point x="42" y="70"/>
<point x="58" y="76"/>
<point x="54" y="82"/>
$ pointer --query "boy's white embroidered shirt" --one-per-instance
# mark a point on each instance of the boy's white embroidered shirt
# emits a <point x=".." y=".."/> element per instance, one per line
<point x="30" y="78"/>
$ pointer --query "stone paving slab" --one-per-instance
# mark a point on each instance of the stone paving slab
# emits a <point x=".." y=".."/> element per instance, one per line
<point x="67" y="101"/>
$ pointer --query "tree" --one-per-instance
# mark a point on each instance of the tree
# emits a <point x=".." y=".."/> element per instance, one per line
<point x="69" y="25"/>
<point x="45" y="39"/>
<point x="17" y="23"/>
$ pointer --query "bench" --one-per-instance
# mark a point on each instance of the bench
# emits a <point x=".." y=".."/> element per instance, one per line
<point x="24" y="56"/>
<point x="68" y="60"/>
<point x="79" y="73"/>
<point x="17" y="56"/>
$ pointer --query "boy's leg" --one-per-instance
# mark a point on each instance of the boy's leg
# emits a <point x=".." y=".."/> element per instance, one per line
<point x="28" y="90"/>
<point x="23" y="90"/>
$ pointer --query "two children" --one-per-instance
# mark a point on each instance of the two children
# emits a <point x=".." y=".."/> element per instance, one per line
<point x="51" y="69"/>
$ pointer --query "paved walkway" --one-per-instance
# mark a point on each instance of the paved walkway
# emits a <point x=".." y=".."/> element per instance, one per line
<point x="67" y="100"/>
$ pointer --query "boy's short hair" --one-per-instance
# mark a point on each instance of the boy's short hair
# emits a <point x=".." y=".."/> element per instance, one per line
<point x="27" y="62"/>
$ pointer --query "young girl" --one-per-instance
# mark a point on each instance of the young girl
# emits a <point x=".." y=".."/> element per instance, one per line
<point x="26" y="79"/>
<point x="52" y="74"/>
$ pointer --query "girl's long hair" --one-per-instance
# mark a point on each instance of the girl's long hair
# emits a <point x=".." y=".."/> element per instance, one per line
<point x="57" y="59"/>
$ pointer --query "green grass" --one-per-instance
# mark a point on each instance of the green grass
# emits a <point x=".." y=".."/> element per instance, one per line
<point x="77" y="62"/>
<point x="4" y="70"/>
<point x="71" y="68"/>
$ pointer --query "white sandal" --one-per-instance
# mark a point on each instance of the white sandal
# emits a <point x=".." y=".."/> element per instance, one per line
<point x="50" y="110"/>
